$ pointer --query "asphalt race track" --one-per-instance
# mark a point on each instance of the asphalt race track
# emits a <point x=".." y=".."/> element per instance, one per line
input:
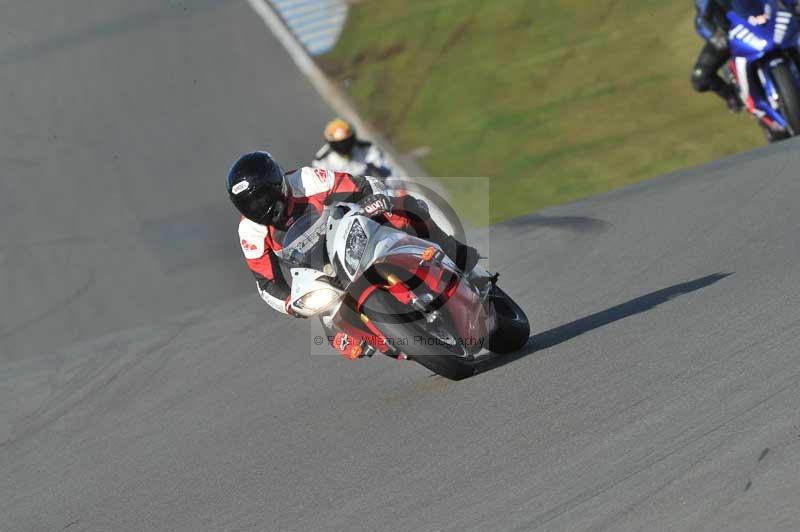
<point x="118" y="121"/>
<point x="143" y="386"/>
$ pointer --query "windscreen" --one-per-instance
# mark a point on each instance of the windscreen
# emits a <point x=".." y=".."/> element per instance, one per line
<point x="304" y="242"/>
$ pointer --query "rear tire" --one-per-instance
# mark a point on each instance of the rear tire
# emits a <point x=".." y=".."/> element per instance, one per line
<point x="788" y="94"/>
<point x="449" y="362"/>
<point x="513" y="329"/>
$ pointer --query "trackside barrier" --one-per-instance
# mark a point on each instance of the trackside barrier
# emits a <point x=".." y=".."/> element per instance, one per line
<point x="317" y="24"/>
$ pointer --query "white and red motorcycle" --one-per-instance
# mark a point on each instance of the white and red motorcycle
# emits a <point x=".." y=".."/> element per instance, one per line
<point x="398" y="293"/>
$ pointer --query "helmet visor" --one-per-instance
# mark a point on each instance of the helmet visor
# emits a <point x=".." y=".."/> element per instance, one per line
<point x="266" y="206"/>
<point x="343" y="147"/>
<point x="263" y="209"/>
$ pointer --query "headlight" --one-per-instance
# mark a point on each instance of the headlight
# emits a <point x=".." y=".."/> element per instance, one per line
<point x="318" y="300"/>
<point x="354" y="247"/>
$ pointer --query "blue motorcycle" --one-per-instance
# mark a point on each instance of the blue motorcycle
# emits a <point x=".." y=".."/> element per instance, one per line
<point x="763" y="41"/>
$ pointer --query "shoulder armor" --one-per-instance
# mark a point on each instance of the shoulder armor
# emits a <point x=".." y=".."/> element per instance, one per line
<point x="252" y="238"/>
<point x="310" y="181"/>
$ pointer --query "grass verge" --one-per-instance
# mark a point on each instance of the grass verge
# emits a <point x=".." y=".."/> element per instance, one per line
<point x="553" y="100"/>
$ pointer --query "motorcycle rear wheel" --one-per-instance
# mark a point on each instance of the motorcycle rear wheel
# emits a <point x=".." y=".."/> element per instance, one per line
<point x="513" y="329"/>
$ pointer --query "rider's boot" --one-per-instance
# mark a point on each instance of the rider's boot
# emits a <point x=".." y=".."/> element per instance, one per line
<point x="731" y="96"/>
<point x="465" y="257"/>
<point x="771" y="132"/>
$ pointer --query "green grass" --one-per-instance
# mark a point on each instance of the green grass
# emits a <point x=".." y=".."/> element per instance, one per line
<point x="553" y="100"/>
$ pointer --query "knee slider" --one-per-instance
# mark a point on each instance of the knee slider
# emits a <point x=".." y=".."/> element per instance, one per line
<point x="700" y="80"/>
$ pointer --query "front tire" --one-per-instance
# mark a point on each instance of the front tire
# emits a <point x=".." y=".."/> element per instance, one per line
<point x="788" y="94"/>
<point x="450" y="362"/>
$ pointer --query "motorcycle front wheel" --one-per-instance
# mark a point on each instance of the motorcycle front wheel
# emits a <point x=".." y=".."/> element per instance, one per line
<point x="789" y="96"/>
<point x="407" y="331"/>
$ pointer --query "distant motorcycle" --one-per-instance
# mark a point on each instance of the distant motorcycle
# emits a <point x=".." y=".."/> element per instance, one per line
<point x="763" y="42"/>
<point x="398" y="293"/>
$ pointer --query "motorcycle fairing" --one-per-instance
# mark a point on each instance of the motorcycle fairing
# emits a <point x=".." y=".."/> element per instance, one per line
<point x="760" y="33"/>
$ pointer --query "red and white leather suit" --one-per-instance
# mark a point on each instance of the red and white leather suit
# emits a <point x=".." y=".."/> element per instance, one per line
<point x="309" y="188"/>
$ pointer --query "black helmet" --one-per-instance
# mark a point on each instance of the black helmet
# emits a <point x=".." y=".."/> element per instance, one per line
<point x="257" y="187"/>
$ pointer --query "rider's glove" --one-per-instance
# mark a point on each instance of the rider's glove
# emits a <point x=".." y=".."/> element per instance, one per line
<point x="376" y="204"/>
<point x="719" y="41"/>
<point x="416" y="206"/>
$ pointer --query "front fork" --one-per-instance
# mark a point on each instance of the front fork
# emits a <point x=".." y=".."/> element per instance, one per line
<point x="472" y="308"/>
<point x="757" y="90"/>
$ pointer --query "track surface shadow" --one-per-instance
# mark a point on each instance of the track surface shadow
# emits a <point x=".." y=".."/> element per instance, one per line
<point x="568" y="331"/>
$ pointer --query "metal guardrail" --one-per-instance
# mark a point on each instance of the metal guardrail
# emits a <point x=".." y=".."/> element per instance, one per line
<point x="317" y="24"/>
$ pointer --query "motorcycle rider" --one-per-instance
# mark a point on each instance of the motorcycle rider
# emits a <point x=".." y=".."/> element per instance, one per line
<point x="712" y="25"/>
<point x="270" y="200"/>
<point x="345" y="152"/>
